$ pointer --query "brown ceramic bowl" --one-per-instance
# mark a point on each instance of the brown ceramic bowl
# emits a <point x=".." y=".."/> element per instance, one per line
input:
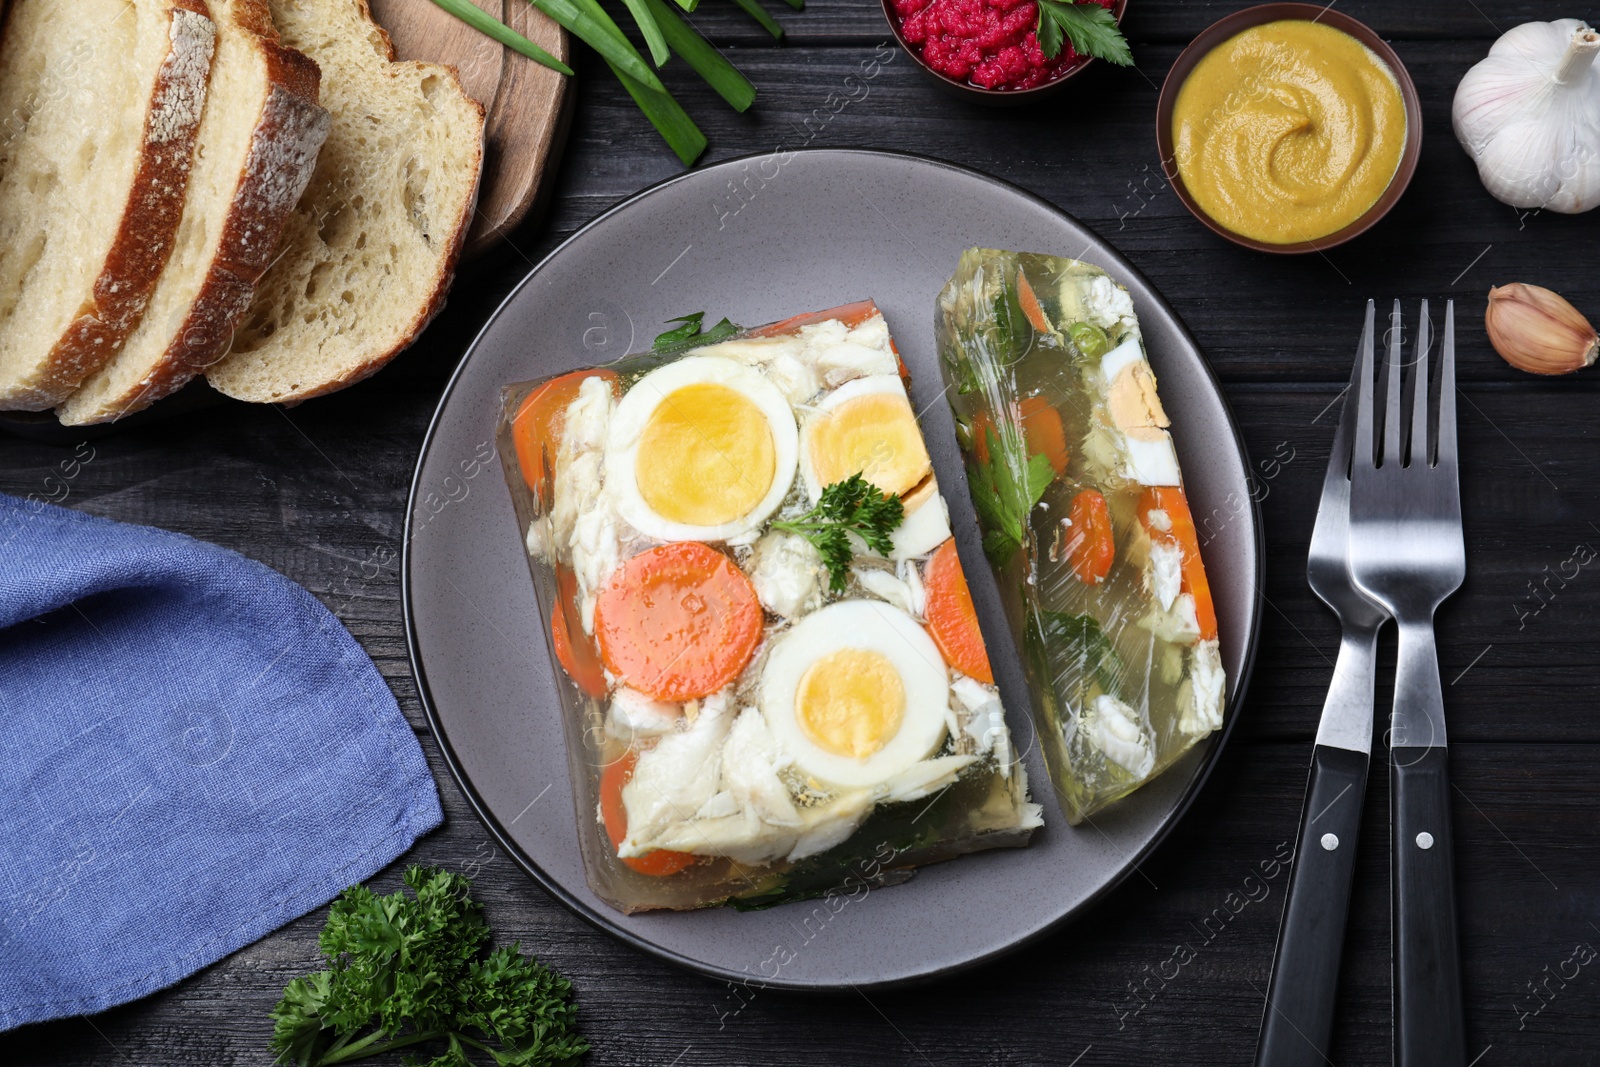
<point x="976" y="93"/>
<point x="1222" y="30"/>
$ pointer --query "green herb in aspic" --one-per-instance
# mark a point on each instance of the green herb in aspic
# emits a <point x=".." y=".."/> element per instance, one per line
<point x="853" y="505"/>
<point x="691" y="335"/>
<point x="1006" y="489"/>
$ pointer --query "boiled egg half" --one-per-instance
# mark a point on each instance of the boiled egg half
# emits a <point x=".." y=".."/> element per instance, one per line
<point x="855" y="694"/>
<point x="1129" y="388"/>
<point x="864" y="427"/>
<point x="703" y="449"/>
<point x="868" y="427"/>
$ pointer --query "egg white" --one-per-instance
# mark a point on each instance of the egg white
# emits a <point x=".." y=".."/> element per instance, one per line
<point x="1149" y="459"/>
<point x="922" y="530"/>
<point x="865" y="625"/>
<point x="633" y="414"/>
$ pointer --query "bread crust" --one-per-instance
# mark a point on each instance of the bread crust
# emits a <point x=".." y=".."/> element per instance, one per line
<point x="149" y="219"/>
<point x="288" y="131"/>
<point x="444" y="275"/>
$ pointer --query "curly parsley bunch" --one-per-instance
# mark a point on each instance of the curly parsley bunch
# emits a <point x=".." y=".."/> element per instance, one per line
<point x="406" y="970"/>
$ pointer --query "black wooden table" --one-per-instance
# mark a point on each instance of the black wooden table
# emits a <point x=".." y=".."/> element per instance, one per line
<point x="1172" y="967"/>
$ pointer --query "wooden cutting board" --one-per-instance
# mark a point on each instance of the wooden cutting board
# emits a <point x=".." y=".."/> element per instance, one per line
<point x="526" y="104"/>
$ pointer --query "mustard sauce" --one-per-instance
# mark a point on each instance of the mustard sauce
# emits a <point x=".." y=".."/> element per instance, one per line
<point x="1288" y="131"/>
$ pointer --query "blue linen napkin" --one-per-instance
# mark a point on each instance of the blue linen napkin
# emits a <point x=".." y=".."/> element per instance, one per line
<point x="193" y="752"/>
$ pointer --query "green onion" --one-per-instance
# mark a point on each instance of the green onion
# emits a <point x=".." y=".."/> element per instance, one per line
<point x="594" y="27"/>
<point x="759" y="13"/>
<point x="669" y="119"/>
<point x="707" y="62"/>
<point x="652" y="33"/>
<point x="665" y="33"/>
<point x="484" y="22"/>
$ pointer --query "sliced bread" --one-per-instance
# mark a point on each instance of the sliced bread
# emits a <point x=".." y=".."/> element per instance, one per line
<point x="369" y="252"/>
<point x="102" y="99"/>
<point x="257" y="147"/>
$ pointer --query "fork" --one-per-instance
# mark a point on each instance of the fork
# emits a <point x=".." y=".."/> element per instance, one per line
<point x="1297" y="1019"/>
<point x="1406" y="552"/>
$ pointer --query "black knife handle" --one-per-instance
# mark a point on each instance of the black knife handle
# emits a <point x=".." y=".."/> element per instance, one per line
<point x="1429" y="1023"/>
<point x="1297" y="1021"/>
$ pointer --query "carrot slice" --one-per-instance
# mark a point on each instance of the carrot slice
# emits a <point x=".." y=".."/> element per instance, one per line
<point x="536" y="429"/>
<point x="981" y="424"/>
<point x="1091" y="546"/>
<point x="1031" y="308"/>
<point x="579" y="658"/>
<point x="952" y="620"/>
<point x="1042" y="432"/>
<point x="678" y="622"/>
<point x="852" y="315"/>
<point x="613" y="777"/>
<point x="1170" y="499"/>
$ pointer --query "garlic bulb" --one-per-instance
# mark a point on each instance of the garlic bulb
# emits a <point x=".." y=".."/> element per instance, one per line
<point x="1538" y="331"/>
<point x="1529" y="114"/>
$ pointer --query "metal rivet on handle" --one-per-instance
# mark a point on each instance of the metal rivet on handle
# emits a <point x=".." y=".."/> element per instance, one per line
<point x="1424" y="840"/>
<point x="1330" y="841"/>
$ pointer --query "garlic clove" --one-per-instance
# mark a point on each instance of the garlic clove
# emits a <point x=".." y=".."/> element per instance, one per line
<point x="1538" y="331"/>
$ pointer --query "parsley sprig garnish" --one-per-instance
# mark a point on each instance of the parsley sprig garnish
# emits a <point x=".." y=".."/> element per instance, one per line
<point x="406" y="970"/>
<point x="691" y="335"/>
<point x="1005" y="490"/>
<point x="1091" y="28"/>
<point x="853" y="505"/>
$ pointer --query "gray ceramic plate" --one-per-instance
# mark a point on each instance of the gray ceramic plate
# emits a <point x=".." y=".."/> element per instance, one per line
<point x="758" y="240"/>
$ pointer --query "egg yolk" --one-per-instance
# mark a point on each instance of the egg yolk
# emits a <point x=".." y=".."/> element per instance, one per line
<point x="706" y="456"/>
<point x="851" y="702"/>
<point x="875" y="435"/>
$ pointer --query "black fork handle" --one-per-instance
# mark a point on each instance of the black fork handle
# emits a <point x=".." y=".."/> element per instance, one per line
<point x="1297" y="1020"/>
<point x="1429" y="1024"/>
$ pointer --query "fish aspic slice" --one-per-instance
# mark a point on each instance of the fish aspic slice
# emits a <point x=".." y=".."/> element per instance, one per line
<point x="1076" y="484"/>
<point x="770" y="674"/>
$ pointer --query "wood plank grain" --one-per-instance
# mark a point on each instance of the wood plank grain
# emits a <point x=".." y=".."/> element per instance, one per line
<point x="1169" y="969"/>
<point x="1154" y="21"/>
